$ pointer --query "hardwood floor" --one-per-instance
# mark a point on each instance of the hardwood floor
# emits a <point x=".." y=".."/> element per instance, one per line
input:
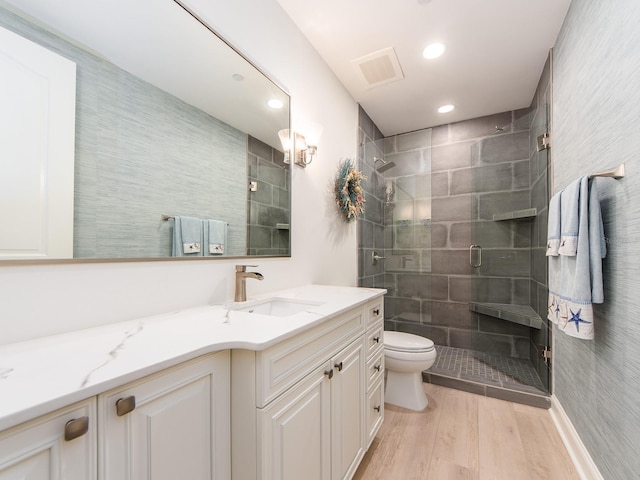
<point x="465" y="436"/>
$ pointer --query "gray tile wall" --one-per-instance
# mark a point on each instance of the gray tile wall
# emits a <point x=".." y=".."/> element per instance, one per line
<point x="370" y="226"/>
<point x="129" y="136"/>
<point x="270" y="205"/>
<point x="473" y="171"/>
<point x="596" y="99"/>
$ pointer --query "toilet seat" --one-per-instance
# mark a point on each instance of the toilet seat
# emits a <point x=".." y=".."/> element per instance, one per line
<point x="406" y="342"/>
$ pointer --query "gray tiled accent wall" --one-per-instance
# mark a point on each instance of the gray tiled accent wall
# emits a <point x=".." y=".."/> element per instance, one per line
<point x="269" y="206"/>
<point x="131" y="135"/>
<point x="462" y="174"/>
<point x="474" y="171"/>
<point x="596" y="99"/>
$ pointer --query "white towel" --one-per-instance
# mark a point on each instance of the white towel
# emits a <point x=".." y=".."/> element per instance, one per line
<point x="187" y="237"/>
<point x="215" y="236"/>
<point x="570" y="218"/>
<point x="575" y="282"/>
<point x="553" y="227"/>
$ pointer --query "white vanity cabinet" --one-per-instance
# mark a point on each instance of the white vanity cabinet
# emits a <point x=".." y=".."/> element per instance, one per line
<point x="57" y="446"/>
<point x="299" y="407"/>
<point x="174" y="424"/>
<point x="170" y="425"/>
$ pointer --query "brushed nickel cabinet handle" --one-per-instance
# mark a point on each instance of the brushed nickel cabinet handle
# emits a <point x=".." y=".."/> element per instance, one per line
<point x="376" y="311"/>
<point x="377" y="409"/>
<point x="377" y="367"/>
<point x="376" y="339"/>
<point x="338" y="366"/>
<point x="125" y="405"/>
<point x="329" y="373"/>
<point x="76" y="428"/>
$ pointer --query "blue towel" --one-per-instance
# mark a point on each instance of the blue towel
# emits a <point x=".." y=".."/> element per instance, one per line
<point x="553" y="228"/>
<point x="187" y="237"/>
<point x="570" y="218"/>
<point x="215" y="237"/>
<point x="575" y="282"/>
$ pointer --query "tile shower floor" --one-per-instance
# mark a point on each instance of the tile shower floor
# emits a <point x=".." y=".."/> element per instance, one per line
<point x="487" y="368"/>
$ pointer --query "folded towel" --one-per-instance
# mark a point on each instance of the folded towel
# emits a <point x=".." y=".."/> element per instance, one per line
<point x="553" y="228"/>
<point x="575" y="282"/>
<point x="187" y="237"/>
<point x="215" y="237"/>
<point x="569" y="218"/>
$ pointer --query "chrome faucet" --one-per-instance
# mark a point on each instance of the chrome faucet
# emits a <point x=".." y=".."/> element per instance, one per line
<point x="241" y="281"/>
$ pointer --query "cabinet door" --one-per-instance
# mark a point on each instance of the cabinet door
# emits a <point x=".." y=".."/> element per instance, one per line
<point x="37" y="142"/>
<point x="347" y="410"/>
<point x="179" y="427"/>
<point x="295" y="431"/>
<point x="37" y="450"/>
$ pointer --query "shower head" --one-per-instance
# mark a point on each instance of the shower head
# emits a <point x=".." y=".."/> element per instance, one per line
<point x="385" y="165"/>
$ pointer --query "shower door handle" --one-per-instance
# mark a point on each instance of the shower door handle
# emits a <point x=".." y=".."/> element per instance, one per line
<point x="478" y="261"/>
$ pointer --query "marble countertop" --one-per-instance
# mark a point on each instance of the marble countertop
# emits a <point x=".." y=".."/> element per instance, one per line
<point x="41" y="375"/>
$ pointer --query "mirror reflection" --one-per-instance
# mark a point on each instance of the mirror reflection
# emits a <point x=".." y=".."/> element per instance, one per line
<point x="169" y="122"/>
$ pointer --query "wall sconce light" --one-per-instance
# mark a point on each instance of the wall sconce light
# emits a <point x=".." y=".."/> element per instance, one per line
<point x="285" y="140"/>
<point x="304" y="149"/>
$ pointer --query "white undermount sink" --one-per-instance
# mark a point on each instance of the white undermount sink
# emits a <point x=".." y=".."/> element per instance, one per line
<point x="276" y="307"/>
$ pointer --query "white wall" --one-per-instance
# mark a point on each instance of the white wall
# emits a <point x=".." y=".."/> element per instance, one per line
<point x="38" y="300"/>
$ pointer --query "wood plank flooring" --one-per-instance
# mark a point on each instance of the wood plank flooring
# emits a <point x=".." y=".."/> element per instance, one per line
<point x="465" y="436"/>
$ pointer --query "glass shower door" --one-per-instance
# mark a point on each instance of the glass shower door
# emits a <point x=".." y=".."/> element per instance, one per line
<point x="507" y="254"/>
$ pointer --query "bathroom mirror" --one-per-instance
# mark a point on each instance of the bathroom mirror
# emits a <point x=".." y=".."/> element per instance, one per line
<point x="169" y="121"/>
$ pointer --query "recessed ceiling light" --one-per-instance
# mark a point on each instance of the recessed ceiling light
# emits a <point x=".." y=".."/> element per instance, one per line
<point x="433" y="51"/>
<point x="275" y="103"/>
<point x="446" y="108"/>
<point x="237" y="77"/>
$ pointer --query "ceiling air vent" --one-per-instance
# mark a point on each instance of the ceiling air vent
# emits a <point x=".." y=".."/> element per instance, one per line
<point x="379" y="68"/>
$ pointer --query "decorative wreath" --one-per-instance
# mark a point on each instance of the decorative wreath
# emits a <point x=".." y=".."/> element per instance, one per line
<point x="348" y="191"/>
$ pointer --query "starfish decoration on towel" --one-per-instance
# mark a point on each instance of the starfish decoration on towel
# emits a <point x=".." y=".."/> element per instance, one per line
<point x="575" y="317"/>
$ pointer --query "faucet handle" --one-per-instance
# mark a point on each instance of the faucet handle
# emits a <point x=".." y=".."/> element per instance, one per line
<point x="243" y="268"/>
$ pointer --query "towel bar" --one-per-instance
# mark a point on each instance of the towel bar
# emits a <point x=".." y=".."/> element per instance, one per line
<point x="166" y="218"/>
<point x="617" y="172"/>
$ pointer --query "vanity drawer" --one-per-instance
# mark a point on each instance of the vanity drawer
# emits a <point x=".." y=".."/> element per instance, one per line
<point x="375" y="369"/>
<point x="375" y="338"/>
<point x="282" y="365"/>
<point x="375" y="311"/>
<point x="375" y="411"/>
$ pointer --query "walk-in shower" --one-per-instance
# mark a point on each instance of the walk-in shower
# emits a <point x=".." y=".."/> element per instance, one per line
<point x="454" y="193"/>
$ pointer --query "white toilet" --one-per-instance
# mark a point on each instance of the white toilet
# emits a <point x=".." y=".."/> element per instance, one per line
<point x="405" y="357"/>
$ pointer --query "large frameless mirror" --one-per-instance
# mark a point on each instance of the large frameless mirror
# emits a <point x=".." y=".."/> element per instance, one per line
<point x="166" y="124"/>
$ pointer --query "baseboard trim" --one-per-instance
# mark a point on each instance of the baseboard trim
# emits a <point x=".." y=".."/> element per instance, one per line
<point x="577" y="451"/>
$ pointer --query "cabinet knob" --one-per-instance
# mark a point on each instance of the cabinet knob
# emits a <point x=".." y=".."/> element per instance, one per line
<point x="377" y="409"/>
<point x="125" y="405"/>
<point x="376" y="311"/>
<point x="76" y="428"/>
<point x="338" y="366"/>
<point x="378" y="367"/>
<point x="329" y="373"/>
<point x="376" y="339"/>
